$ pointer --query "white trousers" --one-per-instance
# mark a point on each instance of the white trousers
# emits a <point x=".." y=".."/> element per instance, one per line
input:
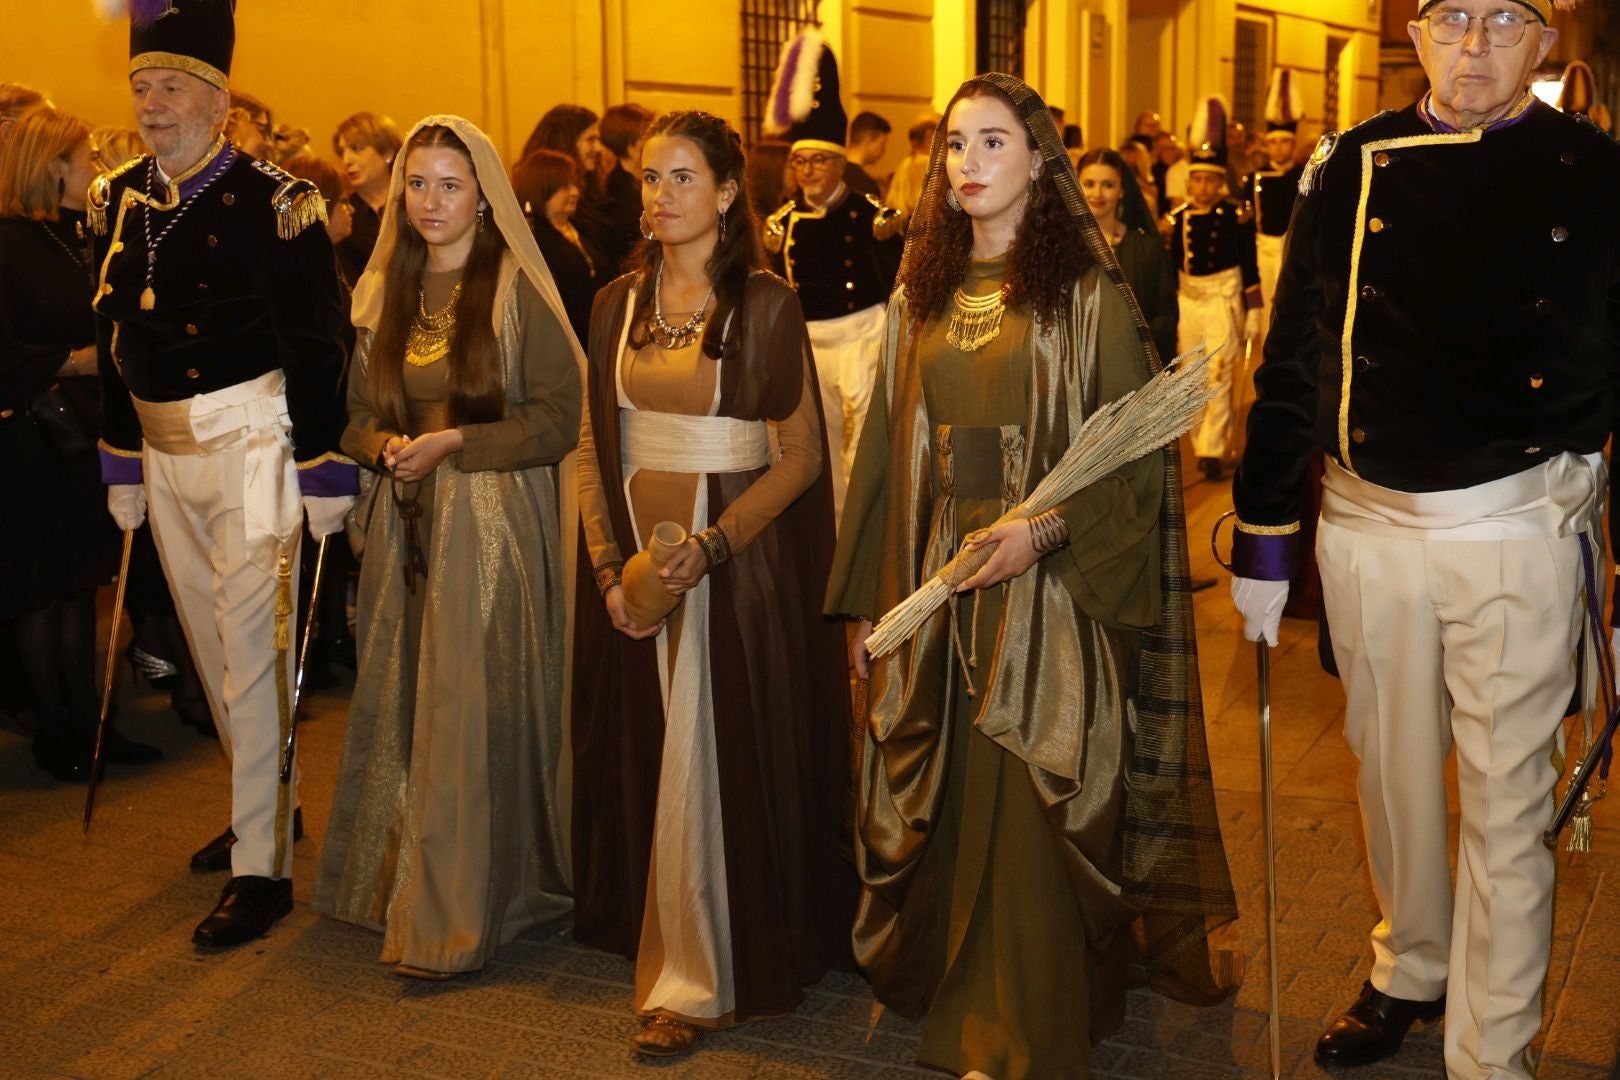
<point x="848" y="350"/>
<point x="1268" y="252"/>
<point x="1212" y="314"/>
<point x="226" y="602"/>
<point x="1471" y="642"/>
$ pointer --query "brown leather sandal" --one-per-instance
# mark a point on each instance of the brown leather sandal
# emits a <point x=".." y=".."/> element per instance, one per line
<point x="665" y="1036"/>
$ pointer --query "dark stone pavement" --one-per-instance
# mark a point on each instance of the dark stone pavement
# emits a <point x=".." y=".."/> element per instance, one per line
<point x="98" y="977"/>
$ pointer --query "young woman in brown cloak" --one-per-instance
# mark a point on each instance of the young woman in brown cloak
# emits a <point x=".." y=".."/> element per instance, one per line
<point x="709" y="748"/>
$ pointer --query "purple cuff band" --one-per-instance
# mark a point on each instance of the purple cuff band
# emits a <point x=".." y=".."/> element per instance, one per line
<point x="118" y="469"/>
<point x="1264" y="558"/>
<point x="1253" y="298"/>
<point x="329" y="478"/>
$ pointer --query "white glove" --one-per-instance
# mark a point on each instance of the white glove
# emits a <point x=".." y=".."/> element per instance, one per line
<point x="127" y="505"/>
<point x="325" y="513"/>
<point x="1261" y="604"/>
<point x="1252" y="328"/>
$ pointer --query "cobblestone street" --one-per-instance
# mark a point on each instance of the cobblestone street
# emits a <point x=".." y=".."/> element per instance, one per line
<point x="98" y="977"/>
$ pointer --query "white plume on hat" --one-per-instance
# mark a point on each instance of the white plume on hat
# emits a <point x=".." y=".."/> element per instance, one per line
<point x="793" y="92"/>
<point x="1285" y="103"/>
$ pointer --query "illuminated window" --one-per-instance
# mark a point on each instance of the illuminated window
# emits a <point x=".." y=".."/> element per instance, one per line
<point x="1333" y="71"/>
<point x="1251" y="72"/>
<point x="1001" y="36"/>
<point x="766" y="25"/>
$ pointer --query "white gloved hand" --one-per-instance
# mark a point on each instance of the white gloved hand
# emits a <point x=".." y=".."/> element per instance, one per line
<point x="127" y="505"/>
<point x="1252" y="327"/>
<point x="325" y="513"/>
<point x="1261" y="604"/>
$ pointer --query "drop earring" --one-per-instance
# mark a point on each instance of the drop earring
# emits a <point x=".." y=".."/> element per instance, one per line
<point x="722" y="224"/>
<point x="480" y="219"/>
<point x="950" y="200"/>
<point x="646" y="229"/>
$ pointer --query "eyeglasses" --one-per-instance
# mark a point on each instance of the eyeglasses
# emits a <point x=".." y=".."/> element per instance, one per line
<point x="816" y="162"/>
<point x="1503" y="29"/>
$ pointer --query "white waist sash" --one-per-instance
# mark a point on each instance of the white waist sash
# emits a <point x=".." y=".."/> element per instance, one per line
<point x="252" y="415"/>
<point x="1223" y="284"/>
<point x="1559" y="497"/>
<point x="673" y="442"/>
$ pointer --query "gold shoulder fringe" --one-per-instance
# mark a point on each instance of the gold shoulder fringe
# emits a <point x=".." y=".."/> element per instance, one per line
<point x="298" y="205"/>
<point x="100" y="195"/>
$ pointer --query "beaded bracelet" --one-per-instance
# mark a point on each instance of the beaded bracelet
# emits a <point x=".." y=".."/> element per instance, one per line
<point x="608" y="575"/>
<point x="714" y="544"/>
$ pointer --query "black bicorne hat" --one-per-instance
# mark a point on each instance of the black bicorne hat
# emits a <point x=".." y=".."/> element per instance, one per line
<point x="194" y="36"/>
<point x="805" y="105"/>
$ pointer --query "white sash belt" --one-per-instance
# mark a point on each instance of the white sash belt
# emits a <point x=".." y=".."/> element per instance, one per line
<point x="671" y="442"/>
<point x="1559" y="497"/>
<point x="1223" y="284"/>
<point x="252" y="415"/>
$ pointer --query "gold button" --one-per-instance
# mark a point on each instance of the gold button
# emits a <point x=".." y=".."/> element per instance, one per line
<point x="193" y="373"/>
<point x="228" y="199"/>
<point x="1536" y="380"/>
<point x="848" y="263"/>
<point x="848" y="239"/>
<point x="853" y="215"/>
<point x="213" y="241"/>
<point x="1376" y="225"/>
<point x="1358" y="435"/>
<point x="118" y="245"/>
<point x="1370" y="292"/>
<point x="1567" y="157"/>
<point x="1380" y="159"/>
<point x="849" y="286"/>
<point x="1532" y="449"/>
<point x="1560" y="234"/>
<point x="6" y="414"/>
<point x="1544" y="307"/>
<point x="191" y="328"/>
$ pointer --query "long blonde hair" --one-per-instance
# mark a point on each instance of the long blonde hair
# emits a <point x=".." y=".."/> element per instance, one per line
<point x="27" y="188"/>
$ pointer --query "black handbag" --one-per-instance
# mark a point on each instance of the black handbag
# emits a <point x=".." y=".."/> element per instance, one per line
<point x="62" y="422"/>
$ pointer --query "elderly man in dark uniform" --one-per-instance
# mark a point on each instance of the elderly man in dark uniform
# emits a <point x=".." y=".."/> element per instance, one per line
<point x="1446" y="331"/>
<point x="839" y="248"/>
<point x="221" y="365"/>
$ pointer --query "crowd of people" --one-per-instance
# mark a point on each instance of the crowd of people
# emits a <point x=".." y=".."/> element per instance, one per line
<point x="623" y="446"/>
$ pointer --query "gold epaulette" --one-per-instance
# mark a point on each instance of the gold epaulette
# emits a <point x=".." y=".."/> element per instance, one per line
<point x="1325" y="146"/>
<point x="298" y="205"/>
<point x="886" y="222"/>
<point x="100" y="195"/>
<point x="776" y="227"/>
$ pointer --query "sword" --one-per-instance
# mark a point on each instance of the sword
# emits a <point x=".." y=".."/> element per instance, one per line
<point x="1575" y="797"/>
<point x="107" y="680"/>
<point x="303" y="658"/>
<point x="1262" y="656"/>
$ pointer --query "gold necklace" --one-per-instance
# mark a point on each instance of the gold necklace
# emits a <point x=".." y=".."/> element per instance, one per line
<point x="976" y="320"/>
<point x="431" y="334"/>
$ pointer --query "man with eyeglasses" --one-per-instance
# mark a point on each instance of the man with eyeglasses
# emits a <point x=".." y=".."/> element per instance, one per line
<point x="1447" y="330"/>
<point x="839" y="248"/>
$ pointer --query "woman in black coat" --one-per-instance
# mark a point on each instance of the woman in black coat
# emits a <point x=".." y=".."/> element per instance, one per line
<point x="1116" y="201"/>
<point x="57" y="542"/>
<point x="548" y="186"/>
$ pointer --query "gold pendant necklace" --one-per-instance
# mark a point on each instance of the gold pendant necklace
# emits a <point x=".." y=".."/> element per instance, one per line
<point x="431" y="335"/>
<point x="976" y="320"/>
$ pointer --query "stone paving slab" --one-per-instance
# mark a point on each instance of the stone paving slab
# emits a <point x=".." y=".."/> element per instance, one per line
<point x="98" y="978"/>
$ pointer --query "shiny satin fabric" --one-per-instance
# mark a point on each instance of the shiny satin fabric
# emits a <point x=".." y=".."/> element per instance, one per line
<point x="447" y="831"/>
<point x="1166" y="865"/>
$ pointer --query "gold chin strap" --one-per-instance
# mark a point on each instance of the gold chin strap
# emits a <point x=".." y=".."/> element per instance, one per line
<point x="284" y="610"/>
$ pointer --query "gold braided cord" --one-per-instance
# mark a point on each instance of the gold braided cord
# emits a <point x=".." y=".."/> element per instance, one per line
<point x="208" y="73"/>
<point x="283" y="643"/>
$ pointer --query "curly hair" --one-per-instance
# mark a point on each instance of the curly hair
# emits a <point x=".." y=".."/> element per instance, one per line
<point x="1048" y="254"/>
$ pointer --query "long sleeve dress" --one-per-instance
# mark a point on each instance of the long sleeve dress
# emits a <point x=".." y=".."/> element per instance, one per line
<point x="992" y="832"/>
<point x="1152" y="277"/>
<point x="708" y="759"/>
<point x="445" y="830"/>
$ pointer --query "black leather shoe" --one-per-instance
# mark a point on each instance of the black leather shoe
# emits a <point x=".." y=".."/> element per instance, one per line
<point x="63" y="758"/>
<point x="215" y="855"/>
<point x="248" y="907"/>
<point x="195" y="714"/>
<point x="123" y="751"/>
<point x="1373" y="1028"/>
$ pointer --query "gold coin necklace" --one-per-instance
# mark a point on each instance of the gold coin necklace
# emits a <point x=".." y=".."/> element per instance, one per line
<point x="976" y="320"/>
<point x="431" y="334"/>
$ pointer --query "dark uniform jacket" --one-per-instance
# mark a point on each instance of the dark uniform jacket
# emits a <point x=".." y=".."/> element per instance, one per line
<point x="244" y="282"/>
<point x="1269" y="196"/>
<point x="1448" y="314"/>
<point x="841" y="259"/>
<point x="1209" y="241"/>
